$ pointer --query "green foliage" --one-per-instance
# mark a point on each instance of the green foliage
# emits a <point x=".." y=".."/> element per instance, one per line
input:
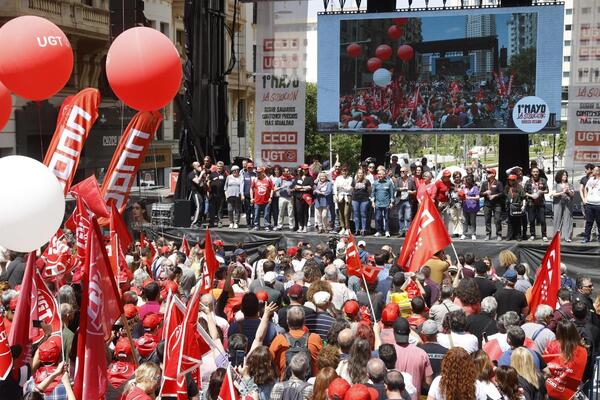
<point x="523" y="65"/>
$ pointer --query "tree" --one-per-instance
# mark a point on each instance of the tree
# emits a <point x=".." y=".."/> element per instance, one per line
<point x="523" y="66"/>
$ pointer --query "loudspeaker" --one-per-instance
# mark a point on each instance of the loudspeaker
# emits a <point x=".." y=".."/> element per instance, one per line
<point x="381" y="6"/>
<point x="376" y="145"/>
<point x="125" y="14"/>
<point x="513" y="151"/>
<point x="182" y="212"/>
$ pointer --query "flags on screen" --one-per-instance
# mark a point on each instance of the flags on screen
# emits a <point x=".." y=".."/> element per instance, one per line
<point x="426" y="236"/>
<point x="100" y="298"/>
<point x="547" y="282"/>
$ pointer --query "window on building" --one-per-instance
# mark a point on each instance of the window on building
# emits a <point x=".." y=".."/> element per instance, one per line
<point x="568" y="27"/>
<point x="564" y="95"/>
<point x="254" y="12"/>
<point x="152" y="23"/>
<point x="567" y="58"/>
<point x="253" y="58"/>
<point x="569" y="11"/>
<point x="164" y="29"/>
<point x="241" y="118"/>
<point x="566" y="74"/>
<point x="567" y="42"/>
<point x="586" y="10"/>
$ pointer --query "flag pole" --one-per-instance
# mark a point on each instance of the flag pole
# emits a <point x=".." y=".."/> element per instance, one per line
<point x="128" y="332"/>
<point x="369" y="297"/>
<point x="455" y="253"/>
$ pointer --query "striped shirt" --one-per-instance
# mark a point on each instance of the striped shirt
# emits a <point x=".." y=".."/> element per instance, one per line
<point x="319" y="323"/>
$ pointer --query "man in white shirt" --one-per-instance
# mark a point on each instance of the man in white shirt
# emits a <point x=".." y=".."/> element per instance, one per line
<point x="457" y="335"/>
<point x="592" y="204"/>
<point x="341" y="293"/>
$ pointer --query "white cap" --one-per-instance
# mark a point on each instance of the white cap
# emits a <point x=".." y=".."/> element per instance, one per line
<point x="361" y="243"/>
<point x="321" y="298"/>
<point x="270" y="277"/>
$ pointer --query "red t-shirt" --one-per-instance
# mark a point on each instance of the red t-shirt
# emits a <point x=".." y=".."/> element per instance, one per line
<point x="137" y="394"/>
<point x="443" y="190"/>
<point x="261" y="190"/>
<point x="565" y="376"/>
<point x="426" y="190"/>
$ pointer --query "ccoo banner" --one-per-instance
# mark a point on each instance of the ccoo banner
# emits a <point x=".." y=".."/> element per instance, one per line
<point x="280" y="82"/>
<point x="583" y="122"/>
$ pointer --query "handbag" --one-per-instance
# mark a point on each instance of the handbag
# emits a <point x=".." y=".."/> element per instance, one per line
<point x="515" y="210"/>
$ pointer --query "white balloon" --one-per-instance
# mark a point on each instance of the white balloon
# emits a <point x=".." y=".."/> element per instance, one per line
<point x="382" y="77"/>
<point x="32" y="204"/>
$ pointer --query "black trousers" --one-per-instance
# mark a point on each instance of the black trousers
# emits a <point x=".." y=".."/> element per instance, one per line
<point x="215" y="209"/>
<point x="494" y="210"/>
<point x="536" y="213"/>
<point x="300" y="213"/>
<point x="514" y="228"/>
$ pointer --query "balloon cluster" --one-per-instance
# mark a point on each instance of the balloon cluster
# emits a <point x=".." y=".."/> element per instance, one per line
<point x="36" y="62"/>
<point x="382" y="76"/>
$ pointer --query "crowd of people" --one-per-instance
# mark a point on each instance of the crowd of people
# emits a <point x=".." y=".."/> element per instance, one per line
<point x="345" y="200"/>
<point x="441" y="103"/>
<point x="292" y="323"/>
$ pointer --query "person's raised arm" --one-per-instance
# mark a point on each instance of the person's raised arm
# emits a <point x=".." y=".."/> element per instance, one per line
<point x="377" y="333"/>
<point x="66" y="381"/>
<point x="60" y="369"/>
<point x="263" y="326"/>
<point x="213" y="330"/>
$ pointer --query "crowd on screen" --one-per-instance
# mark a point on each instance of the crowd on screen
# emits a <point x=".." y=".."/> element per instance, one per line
<point x="366" y="199"/>
<point x="294" y="324"/>
<point x="441" y="103"/>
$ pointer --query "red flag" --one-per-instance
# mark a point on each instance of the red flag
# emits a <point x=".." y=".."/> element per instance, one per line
<point x="57" y="257"/>
<point x="211" y="264"/>
<point x="185" y="247"/>
<point x="172" y="385"/>
<point x="22" y="329"/>
<point x="45" y="308"/>
<point x="89" y="191"/>
<point x="99" y="296"/>
<point x="228" y="390"/>
<point x="128" y="156"/>
<point x="119" y="242"/>
<point x="76" y="117"/>
<point x="547" y="283"/>
<point x="6" y="360"/>
<point x="354" y="265"/>
<point x="426" y="236"/>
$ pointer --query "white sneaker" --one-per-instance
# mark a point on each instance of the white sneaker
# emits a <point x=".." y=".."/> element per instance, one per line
<point x="387" y="234"/>
<point x="545" y="239"/>
<point x="235" y="226"/>
<point x="531" y="238"/>
<point x="231" y="226"/>
<point x="462" y="237"/>
<point x="377" y="234"/>
<point x="473" y="237"/>
<point x="342" y="232"/>
<point x="499" y="238"/>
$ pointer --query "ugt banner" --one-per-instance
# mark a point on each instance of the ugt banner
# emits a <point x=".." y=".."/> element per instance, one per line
<point x="280" y="82"/>
<point x="75" y="119"/>
<point x="128" y="156"/>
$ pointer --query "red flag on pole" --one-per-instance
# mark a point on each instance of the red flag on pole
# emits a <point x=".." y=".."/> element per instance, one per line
<point x="89" y="190"/>
<point x="228" y="391"/>
<point x="172" y="385"/>
<point x="185" y="247"/>
<point x="22" y="329"/>
<point x="45" y="309"/>
<point x="426" y="236"/>
<point x="547" y="283"/>
<point x="6" y="360"/>
<point x="211" y="264"/>
<point x="119" y="243"/>
<point x="354" y="265"/>
<point x="57" y="257"/>
<point x="100" y="298"/>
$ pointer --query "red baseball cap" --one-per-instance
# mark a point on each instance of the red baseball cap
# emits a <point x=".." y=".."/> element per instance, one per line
<point x="351" y="308"/>
<point x="292" y="251"/>
<point x="49" y="351"/>
<point x="512" y="177"/>
<point x="122" y="348"/>
<point x="358" y="392"/>
<point x="145" y="345"/>
<point x="164" y="249"/>
<point x="262" y="296"/>
<point x="218" y="242"/>
<point x="491" y="171"/>
<point x="151" y="321"/>
<point x="337" y="389"/>
<point x="446" y="173"/>
<point x="390" y="313"/>
<point x="295" y="291"/>
<point x="130" y="311"/>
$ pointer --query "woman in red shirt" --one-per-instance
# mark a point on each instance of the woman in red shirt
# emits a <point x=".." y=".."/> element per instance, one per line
<point x="566" y="359"/>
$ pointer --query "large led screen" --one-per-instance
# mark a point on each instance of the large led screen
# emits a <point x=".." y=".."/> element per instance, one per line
<point x="452" y="70"/>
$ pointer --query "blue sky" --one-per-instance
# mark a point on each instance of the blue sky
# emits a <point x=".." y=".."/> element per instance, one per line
<point x="443" y="28"/>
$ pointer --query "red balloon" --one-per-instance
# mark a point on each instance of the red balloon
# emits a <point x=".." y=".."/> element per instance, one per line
<point x="405" y="52"/>
<point x="373" y="64"/>
<point x="143" y="69"/>
<point x="354" y="50"/>
<point x="5" y="105"/>
<point x="36" y="59"/>
<point x="383" y="51"/>
<point x="400" y="21"/>
<point x="394" y="32"/>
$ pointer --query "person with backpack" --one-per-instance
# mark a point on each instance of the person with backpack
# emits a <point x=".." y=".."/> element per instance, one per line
<point x="296" y="341"/>
<point x="296" y="388"/>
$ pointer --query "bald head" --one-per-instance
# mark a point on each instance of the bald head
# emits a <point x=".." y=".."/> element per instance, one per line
<point x="331" y="273"/>
<point x="376" y="370"/>
<point x="295" y="317"/>
<point x="66" y="313"/>
<point x="345" y="340"/>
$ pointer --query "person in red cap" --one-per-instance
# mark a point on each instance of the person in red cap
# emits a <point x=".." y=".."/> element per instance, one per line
<point x="358" y="392"/>
<point x="146" y="344"/>
<point x="337" y="389"/>
<point x="45" y="364"/>
<point x="121" y="369"/>
<point x="442" y="197"/>
<point x="389" y="315"/>
<point x="515" y="205"/>
<point x="492" y="192"/>
<point x="302" y="185"/>
<point x="351" y="310"/>
<point x="261" y="196"/>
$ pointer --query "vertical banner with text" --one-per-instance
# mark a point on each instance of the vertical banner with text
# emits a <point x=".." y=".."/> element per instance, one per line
<point x="280" y="82"/>
<point x="583" y="122"/>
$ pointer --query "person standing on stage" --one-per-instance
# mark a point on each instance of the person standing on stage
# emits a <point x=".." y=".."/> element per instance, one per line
<point x="492" y="192"/>
<point x="286" y="206"/>
<point x="342" y="192"/>
<point x="562" y="199"/>
<point x="261" y="196"/>
<point x="233" y="185"/>
<point x="515" y="203"/>
<point x="302" y="188"/>
<point x="381" y="198"/>
<point x="592" y="204"/>
<point x="198" y="186"/>
<point x="535" y="189"/>
<point x="405" y="191"/>
<point x="216" y="194"/>
<point x="248" y="176"/>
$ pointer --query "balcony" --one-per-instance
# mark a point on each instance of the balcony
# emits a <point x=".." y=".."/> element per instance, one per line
<point x="73" y="18"/>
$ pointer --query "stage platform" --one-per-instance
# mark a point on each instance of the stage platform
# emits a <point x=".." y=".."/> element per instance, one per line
<point x="579" y="258"/>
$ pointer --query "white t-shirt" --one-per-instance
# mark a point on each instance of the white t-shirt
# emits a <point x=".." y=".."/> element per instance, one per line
<point x="434" y="390"/>
<point x="593" y="191"/>
<point x="465" y="340"/>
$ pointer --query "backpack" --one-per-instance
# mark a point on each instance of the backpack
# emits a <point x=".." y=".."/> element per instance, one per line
<point x="296" y="346"/>
<point x="293" y="392"/>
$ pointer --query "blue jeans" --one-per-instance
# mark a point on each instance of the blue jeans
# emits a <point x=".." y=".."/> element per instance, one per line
<point x="266" y="209"/>
<point x="360" y="214"/>
<point x="381" y="218"/>
<point x="404" y="216"/>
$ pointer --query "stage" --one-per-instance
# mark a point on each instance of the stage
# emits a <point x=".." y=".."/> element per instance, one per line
<point x="581" y="259"/>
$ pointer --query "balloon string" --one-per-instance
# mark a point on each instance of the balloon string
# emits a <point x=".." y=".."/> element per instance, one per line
<point x="39" y="107"/>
